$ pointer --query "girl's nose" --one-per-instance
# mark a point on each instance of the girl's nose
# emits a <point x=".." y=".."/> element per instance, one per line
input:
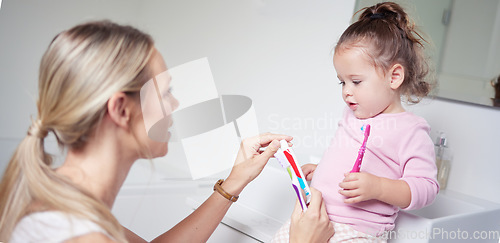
<point x="346" y="91"/>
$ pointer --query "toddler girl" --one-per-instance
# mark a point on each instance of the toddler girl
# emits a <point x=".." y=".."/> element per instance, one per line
<point x="378" y="60"/>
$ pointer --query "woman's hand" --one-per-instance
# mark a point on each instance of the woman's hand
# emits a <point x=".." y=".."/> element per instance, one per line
<point x="250" y="162"/>
<point x="198" y="226"/>
<point x="312" y="225"/>
<point x="308" y="170"/>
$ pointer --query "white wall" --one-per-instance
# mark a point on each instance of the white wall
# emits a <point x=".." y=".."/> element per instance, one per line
<point x="473" y="134"/>
<point x="26" y="29"/>
<point x="276" y="52"/>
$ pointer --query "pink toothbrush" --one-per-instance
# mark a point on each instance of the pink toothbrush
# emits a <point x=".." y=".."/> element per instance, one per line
<point x="361" y="152"/>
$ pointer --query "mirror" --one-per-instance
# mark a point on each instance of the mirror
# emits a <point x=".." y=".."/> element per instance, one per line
<point x="465" y="36"/>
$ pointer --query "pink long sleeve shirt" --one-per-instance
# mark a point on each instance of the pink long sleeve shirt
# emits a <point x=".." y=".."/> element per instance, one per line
<point x="399" y="147"/>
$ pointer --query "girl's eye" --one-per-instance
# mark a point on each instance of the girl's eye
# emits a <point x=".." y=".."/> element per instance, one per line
<point x="341" y="83"/>
<point x="356" y="81"/>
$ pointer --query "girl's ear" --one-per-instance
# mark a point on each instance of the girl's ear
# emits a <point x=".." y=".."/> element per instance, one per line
<point x="119" y="109"/>
<point x="397" y="75"/>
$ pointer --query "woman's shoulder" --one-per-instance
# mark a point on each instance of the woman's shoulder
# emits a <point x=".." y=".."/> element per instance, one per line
<point x="54" y="226"/>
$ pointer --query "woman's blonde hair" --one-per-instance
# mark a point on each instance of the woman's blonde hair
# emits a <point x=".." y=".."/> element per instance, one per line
<point x="81" y="69"/>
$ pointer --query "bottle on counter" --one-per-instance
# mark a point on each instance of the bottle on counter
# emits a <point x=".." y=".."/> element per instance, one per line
<point x="443" y="160"/>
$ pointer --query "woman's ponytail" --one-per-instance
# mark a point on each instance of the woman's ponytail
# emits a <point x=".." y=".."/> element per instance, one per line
<point x="80" y="70"/>
<point x="18" y="188"/>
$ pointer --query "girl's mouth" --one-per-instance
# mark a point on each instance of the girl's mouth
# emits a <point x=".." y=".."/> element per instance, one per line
<point x="353" y="106"/>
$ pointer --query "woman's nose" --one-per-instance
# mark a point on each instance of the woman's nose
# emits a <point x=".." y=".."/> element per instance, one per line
<point x="175" y="103"/>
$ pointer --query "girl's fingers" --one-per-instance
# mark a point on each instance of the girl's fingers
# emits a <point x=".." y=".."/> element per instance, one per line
<point x="348" y="185"/>
<point x="353" y="200"/>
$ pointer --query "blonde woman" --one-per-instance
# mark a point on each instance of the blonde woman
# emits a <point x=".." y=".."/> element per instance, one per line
<point x="89" y="80"/>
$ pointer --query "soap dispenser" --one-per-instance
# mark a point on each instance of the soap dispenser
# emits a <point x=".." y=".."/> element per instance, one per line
<point x="443" y="160"/>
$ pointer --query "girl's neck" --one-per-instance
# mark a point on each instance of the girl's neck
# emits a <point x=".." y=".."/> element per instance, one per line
<point x="395" y="107"/>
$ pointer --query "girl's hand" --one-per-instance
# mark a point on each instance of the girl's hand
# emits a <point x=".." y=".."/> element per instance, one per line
<point x="312" y="225"/>
<point x="250" y="162"/>
<point x="308" y="170"/>
<point x="362" y="186"/>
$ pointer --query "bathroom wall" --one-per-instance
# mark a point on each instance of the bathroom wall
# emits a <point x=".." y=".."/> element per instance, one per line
<point x="26" y="29"/>
<point x="276" y="52"/>
<point x="473" y="134"/>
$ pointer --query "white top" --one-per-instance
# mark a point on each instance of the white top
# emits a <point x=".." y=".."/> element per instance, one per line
<point x="52" y="226"/>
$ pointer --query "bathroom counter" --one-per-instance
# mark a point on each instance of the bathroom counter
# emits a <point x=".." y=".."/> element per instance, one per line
<point x="151" y="206"/>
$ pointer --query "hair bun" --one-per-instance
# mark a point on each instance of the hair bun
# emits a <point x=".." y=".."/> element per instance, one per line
<point x="377" y="16"/>
<point x="388" y="11"/>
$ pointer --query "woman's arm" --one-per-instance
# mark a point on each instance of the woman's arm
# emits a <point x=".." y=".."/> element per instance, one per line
<point x="133" y="237"/>
<point x="310" y="226"/>
<point x="200" y="224"/>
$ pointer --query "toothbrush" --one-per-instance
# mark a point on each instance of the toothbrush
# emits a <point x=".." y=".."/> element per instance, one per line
<point x="361" y="152"/>
<point x="287" y="159"/>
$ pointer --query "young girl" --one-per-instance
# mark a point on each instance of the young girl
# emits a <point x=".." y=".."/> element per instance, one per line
<point x="378" y="59"/>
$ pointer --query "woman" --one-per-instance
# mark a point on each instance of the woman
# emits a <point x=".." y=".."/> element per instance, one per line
<point x="88" y="97"/>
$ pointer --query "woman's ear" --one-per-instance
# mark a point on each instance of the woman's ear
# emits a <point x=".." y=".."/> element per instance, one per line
<point x="119" y="109"/>
<point x="397" y="75"/>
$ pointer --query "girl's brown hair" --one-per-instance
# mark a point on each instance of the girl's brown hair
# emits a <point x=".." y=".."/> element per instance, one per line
<point x="389" y="36"/>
